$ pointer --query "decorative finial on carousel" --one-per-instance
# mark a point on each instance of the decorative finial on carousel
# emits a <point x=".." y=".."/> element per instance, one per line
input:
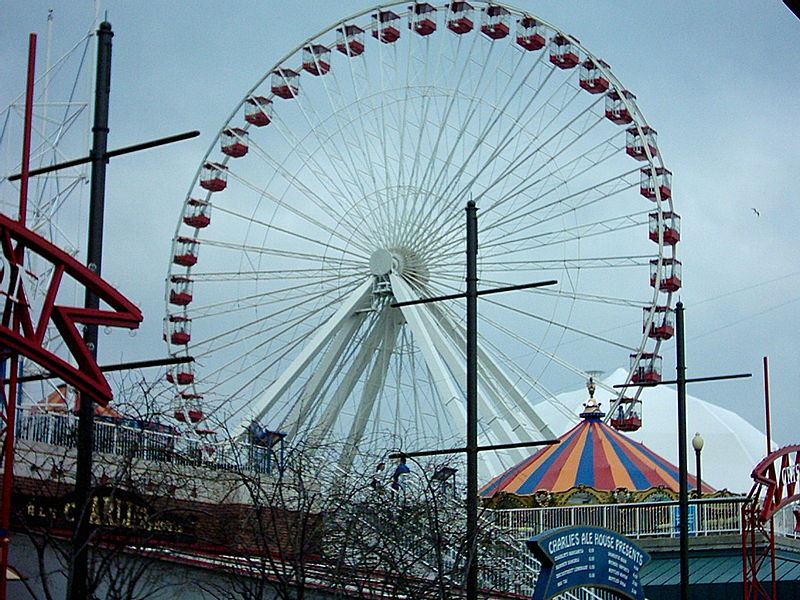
<point x="591" y="406"/>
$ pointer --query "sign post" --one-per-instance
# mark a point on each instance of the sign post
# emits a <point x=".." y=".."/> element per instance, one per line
<point x="575" y="557"/>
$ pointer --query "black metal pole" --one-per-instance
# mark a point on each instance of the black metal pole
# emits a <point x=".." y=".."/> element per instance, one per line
<point x="472" y="400"/>
<point x="683" y="498"/>
<point x="77" y="588"/>
<point x="110" y="154"/>
<point x="699" y="492"/>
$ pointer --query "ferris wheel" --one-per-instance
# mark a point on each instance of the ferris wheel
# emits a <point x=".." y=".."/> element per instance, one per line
<point x="337" y="187"/>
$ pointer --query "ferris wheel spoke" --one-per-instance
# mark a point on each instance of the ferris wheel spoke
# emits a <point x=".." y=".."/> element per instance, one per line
<point x="525" y="158"/>
<point x="596" y="262"/>
<point x="573" y="295"/>
<point x="249" y="331"/>
<point x="326" y="207"/>
<point x="365" y="92"/>
<point x="347" y="183"/>
<point x="507" y="138"/>
<point x="558" y="324"/>
<point x="274" y="296"/>
<point x="323" y="334"/>
<point x="289" y="207"/>
<point x="429" y="170"/>
<point x="440" y="374"/>
<point x="297" y="235"/>
<point x="280" y="252"/>
<point x="258" y="275"/>
<point x="498" y="390"/>
<point x="559" y="236"/>
<point x="339" y="349"/>
<point x="281" y="353"/>
<point x="512" y="217"/>
<point x="493" y="119"/>
<point x="534" y="384"/>
<point x="317" y="132"/>
<point x="570" y="203"/>
<point x="579" y="166"/>
<point x="368" y="113"/>
<point x="463" y="122"/>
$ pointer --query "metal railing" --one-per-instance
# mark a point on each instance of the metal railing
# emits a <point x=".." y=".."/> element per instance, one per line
<point x="713" y="516"/>
<point x="141" y="440"/>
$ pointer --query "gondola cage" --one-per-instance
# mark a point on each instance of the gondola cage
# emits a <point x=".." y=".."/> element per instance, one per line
<point x="285" y="83"/>
<point x="180" y="290"/>
<point x="640" y="141"/>
<point x="258" y="110"/>
<point x="179" y="329"/>
<point x="422" y="18"/>
<point x="617" y="110"/>
<point x="670" y="276"/>
<point x="563" y="53"/>
<point x="459" y="17"/>
<point x="214" y="177"/>
<point x="316" y="59"/>
<point x="628" y="415"/>
<point x="591" y="78"/>
<point x="233" y="142"/>
<point x="186" y="252"/>
<point x="530" y="34"/>
<point x="181" y="375"/>
<point x="668" y="224"/>
<point x="197" y="214"/>
<point x="662" y="326"/>
<point x="646" y="368"/>
<point x="495" y="22"/>
<point x="656" y="180"/>
<point x="350" y="40"/>
<point x="385" y="26"/>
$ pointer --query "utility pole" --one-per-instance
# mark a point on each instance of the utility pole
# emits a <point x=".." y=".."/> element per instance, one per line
<point x="472" y="399"/>
<point x="78" y="575"/>
<point x="683" y="493"/>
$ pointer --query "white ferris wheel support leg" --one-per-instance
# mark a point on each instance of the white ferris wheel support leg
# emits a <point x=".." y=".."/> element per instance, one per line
<point x="358" y="298"/>
<point x="452" y="396"/>
<point x="321" y="375"/>
<point x="344" y="390"/>
<point x="502" y="388"/>
<point x="446" y="356"/>
<point x="392" y="321"/>
<point x="500" y="424"/>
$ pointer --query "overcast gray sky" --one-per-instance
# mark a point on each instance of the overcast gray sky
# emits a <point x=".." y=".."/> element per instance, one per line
<point x="718" y="80"/>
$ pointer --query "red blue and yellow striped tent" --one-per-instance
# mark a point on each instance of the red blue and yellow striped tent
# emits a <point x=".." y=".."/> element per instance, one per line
<point x="591" y="454"/>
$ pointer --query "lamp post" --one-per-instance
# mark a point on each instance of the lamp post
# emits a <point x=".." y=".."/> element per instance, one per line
<point x="697" y="444"/>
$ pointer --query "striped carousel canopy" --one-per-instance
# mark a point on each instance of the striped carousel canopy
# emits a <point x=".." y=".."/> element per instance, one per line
<point x="593" y="454"/>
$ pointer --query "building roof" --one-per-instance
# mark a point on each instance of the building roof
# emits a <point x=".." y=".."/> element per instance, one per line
<point x="591" y="454"/>
<point x="714" y="568"/>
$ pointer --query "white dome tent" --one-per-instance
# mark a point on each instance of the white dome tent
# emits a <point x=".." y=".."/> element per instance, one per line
<point x="732" y="448"/>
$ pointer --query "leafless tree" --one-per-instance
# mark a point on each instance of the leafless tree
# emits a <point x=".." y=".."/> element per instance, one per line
<point x="126" y="515"/>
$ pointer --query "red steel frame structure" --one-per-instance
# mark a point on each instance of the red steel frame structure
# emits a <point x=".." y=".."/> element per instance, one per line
<point x="20" y="336"/>
<point x="777" y="484"/>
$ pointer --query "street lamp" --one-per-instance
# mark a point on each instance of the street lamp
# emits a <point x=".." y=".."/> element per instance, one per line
<point x="697" y="444"/>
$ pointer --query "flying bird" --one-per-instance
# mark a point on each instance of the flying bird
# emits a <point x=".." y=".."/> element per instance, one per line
<point x="758" y="214"/>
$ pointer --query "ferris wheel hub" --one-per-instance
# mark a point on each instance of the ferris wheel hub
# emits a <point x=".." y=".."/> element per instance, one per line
<point x="381" y="262"/>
